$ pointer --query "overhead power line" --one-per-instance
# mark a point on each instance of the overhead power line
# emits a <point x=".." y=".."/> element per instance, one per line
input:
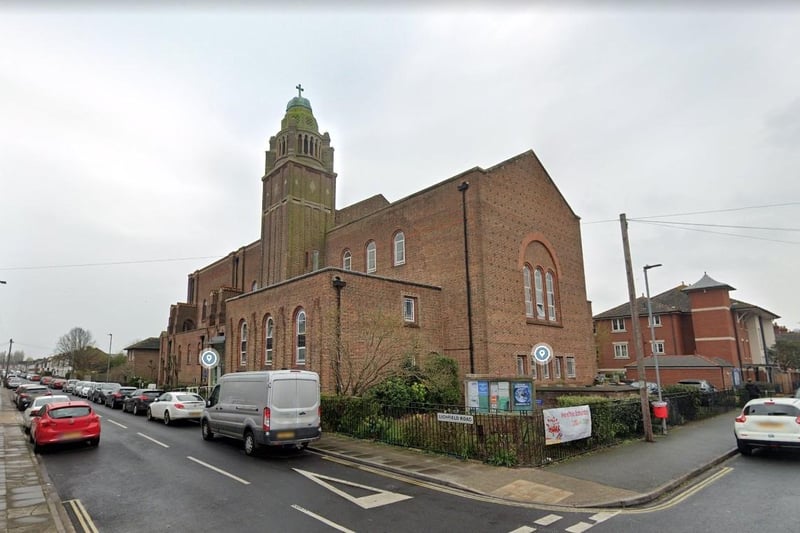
<point x="112" y="263"/>
<point x="675" y="226"/>
<point x="713" y="211"/>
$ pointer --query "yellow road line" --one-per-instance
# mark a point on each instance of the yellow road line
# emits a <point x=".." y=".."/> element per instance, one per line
<point x="82" y="516"/>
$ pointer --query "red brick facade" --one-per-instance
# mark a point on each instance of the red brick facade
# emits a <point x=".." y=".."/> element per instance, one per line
<point x="515" y="219"/>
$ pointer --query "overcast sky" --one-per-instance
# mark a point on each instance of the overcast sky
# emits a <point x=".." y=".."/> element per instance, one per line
<point x="132" y="140"/>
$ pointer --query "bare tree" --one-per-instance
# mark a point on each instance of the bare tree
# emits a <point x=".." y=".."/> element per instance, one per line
<point x="76" y="345"/>
<point x="376" y="353"/>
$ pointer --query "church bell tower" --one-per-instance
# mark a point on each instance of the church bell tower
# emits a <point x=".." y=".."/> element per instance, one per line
<point x="298" y="195"/>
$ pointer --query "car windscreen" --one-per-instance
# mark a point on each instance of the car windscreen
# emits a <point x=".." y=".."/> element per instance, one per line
<point x="774" y="409"/>
<point x="70" y="412"/>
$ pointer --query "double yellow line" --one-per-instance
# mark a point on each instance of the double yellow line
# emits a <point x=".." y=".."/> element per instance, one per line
<point x="82" y="516"/>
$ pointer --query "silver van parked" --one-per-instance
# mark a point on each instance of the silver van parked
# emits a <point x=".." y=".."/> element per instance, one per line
<point x="268" y="408"/>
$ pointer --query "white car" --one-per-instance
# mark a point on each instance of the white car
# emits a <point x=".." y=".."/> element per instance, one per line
<point x="172" y="406"/>
<point x="37" y="404"/>
<point x="768" y="423"/>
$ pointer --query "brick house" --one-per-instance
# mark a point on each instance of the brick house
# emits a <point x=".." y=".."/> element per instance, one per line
<point x="700" y="332"/>
<point x="143" y="358"/>
<point x="336" y="290"/>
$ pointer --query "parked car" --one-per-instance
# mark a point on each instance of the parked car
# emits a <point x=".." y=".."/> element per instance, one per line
<point x="652" y="388"/>
<point x="139" y="400"/>
<point x="99" y="394"/>
<point x="768" y="422"/>
<point x="173" y="406"/>
<point x="69" y="386"/>
<point x="58" y="384"/>
<point x="57" y="423"/>
<point x="88" y="389"/>
<point x="26" y="396"/>
<point x="13" y="382"/>
<point x="46" y="380"/>
<point x="34" y="377"/>
<point x="701" y="384"/>
<point x="36" y="405"/>
<point x="282" y="409"/>
<point x="115" y="399"/>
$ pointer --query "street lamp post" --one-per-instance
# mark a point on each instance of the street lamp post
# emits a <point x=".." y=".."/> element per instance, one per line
<point x="653" y="341"/>
<point x="108" y="367"/>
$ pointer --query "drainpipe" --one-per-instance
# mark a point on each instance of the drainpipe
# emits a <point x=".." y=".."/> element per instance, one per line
<point x="463" y="189"/>
<point x="338" y="284"/>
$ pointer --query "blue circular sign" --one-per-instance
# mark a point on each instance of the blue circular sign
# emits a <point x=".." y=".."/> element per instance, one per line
<point x="209" y="358"/>
<point x="542" y="353"/>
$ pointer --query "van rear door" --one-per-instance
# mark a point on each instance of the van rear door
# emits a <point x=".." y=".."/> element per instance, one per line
<point x="294" y="407"/>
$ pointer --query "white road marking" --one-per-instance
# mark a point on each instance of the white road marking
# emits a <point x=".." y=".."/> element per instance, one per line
<point x="549" y="519"/>
<point x="117" y="424"/>
<point x="603" y="516"/>
<point x="380" y="497"/>
<point x="580" y="527"/>
<point x="334" y="525"/>
<point x="218" y="470"/>
<point x="153" y="440"/>
<point x="523" y="529"/>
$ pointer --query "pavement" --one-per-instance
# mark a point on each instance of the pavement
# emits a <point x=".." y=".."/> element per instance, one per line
<point x="625" y="475"/>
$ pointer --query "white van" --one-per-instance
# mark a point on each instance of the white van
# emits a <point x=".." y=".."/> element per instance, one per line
<point x="268" y="408"/>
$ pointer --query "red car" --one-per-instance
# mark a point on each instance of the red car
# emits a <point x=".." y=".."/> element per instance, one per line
<point x="64" y="422"/>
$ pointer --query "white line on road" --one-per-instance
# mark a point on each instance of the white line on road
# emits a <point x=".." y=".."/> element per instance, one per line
<point x="118" y="424"/>
<point x="580" y="527"/>
<point x="153" y="440"/>
<point x="334" y="525"/>
<point x="549" y="519"/>
<point x="523" y="529"/>
<point x="215" y="469"/>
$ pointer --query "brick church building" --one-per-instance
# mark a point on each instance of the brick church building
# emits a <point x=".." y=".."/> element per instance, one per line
<point x="479" y="267"/>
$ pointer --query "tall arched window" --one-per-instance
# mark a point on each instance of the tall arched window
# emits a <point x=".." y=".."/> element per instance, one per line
<point x="254" y="285"/>
<point x="300" y="337"/>
<point x="399" y="248"/>
<point x="551" y="296"/>
<point x="526" y="280"/>
<point x="347" y="260"/>
<point x="269" y="334"/>
<point x="537" y="277"/>
<point x="243" y="345"/>
<point x="372" y="257"/>
<point x="205" y="308"/>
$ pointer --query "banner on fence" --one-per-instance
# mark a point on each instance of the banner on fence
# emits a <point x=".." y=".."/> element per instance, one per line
<point x="566" y="424"/>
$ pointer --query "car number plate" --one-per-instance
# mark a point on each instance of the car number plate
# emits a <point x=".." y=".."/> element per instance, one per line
<point x="769" y="424"/>
<point x="285" y="434"/>
<point x="71" y="435"/>
<point x="195" y="413"/>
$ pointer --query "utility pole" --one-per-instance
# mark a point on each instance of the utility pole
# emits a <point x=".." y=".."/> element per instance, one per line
<point x="108" y="366"/>
<point x="637" y="332"/>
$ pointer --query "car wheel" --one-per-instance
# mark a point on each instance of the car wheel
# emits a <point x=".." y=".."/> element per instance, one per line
<point x="135" y="410"/>
<point x="37" y="448"/>
<point x="167" y="420"/>
<point x="205" y="430"/>
<point x="744" y="449"/>
<point x="250" y="446"/>
<point x="150" y="415"/>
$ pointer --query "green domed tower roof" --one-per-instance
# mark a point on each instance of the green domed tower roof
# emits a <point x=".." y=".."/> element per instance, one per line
<point x="299" y="109"/>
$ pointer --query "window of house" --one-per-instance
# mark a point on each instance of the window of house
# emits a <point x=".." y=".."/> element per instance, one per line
<point x="570" y="366"/>
<point x="188" y="355"/>
<point x="620" y="350"/>
<point x="409" y="310"/>
<point x="546" y="371"/>
<point x="399" y="248"/>
<point x="526" y="281"/>
<point x="254" y="286"/>
<point x="558" y="363"/>
<point x="534" y="369"/>
<point x="372" y="257"/>
<point x="551" y="296"/>
<point x="347" y="260"/>
<point x="180" y="356"/>
<point x="656" y="320"/>
<point x="300" y="337"/>
<point x="521" y="365"/>
<point x="205" y="308"/>
<point x="537" y="277"/>
<point x="243" y="345"/>
<point x="657" y="347"/>
<point x="269" y="334"/>
<point x="617" y="324"/>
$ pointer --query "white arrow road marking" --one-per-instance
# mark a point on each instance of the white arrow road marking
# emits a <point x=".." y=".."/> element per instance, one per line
<point x="153" y="440"/>
<point x="381" y="497"/>
<point x="324" y="520"/>
<point x="218" y="470"/>
<point x="117" y="424"/>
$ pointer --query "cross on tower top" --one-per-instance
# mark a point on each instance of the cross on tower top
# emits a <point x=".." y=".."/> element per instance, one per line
<point x="299" y="90"/>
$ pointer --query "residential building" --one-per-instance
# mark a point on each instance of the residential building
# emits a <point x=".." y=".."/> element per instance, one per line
<point x="479" y="267"/>
<point x="700" y="332"/>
